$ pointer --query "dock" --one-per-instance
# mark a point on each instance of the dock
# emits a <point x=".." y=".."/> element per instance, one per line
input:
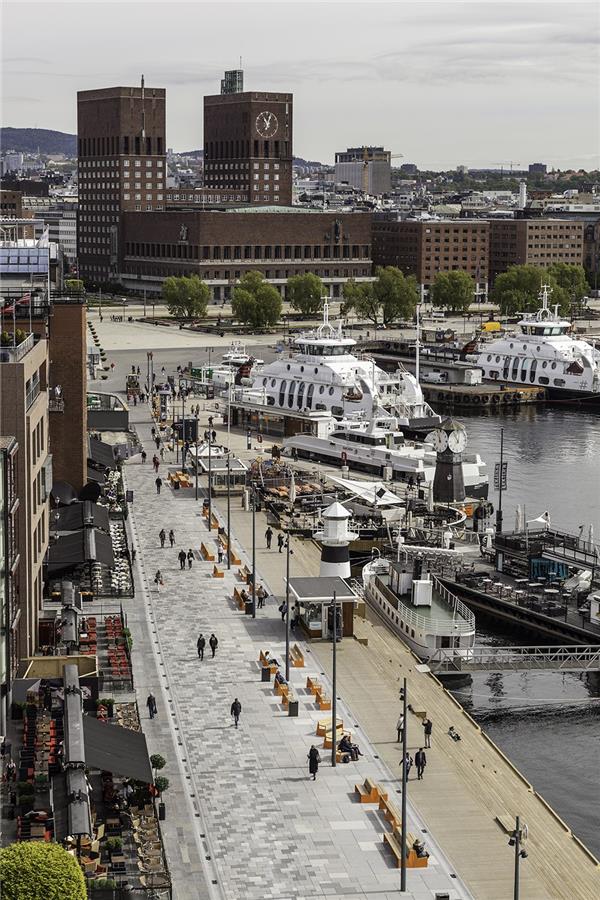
<point x="481" y="396"/>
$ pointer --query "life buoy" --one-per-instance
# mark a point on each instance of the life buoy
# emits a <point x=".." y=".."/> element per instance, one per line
<point x="485" y="400"/>
<point x="495" y="399"/>
<point x="476" y="400"/>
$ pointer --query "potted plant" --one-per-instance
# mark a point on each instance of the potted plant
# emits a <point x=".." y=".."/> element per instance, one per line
<point x="157" y="762"/>
<point x="41" y="782"/>
<point x="109" y="703"/>
<point x="114" y="845"/>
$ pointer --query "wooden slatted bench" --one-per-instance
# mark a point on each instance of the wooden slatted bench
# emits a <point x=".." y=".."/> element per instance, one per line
<point x="265" y="661"/>
<point x="370" y="791"/>
<point x="245" y="574"/>
<point x="296" y="657"/>
<point x="390" y="813"/>
<point x="324" y="725"/>
<point x="322" y="700"/>
<point x="214" y="522"/>
<point x="237" y="596"/>
<point x="286" y="697"/>
<point x="279" y="687"/>
<point x="340" y="734"/>
<point x="235" y="560"/>
<point x="393" y="839"/>
<point x="207" y="555"/>
<point x="218" y="573"/>
<point x="312" y="684"/>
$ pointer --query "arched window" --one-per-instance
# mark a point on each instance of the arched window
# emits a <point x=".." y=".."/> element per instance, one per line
<point x="300" y="395"/>
<point x="309" y="396"/>
<point x="282" y="388"/>
<point x="290" y="401"/>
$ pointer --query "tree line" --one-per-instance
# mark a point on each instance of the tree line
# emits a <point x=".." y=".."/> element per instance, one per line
<point x="390" y="298"/>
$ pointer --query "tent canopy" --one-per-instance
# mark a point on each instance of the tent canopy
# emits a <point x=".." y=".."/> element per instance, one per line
<point x="116" y="749"/>
<point x="373" y="492"/>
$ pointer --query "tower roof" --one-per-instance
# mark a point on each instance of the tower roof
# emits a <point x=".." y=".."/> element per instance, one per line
<point x="336" y="511"/>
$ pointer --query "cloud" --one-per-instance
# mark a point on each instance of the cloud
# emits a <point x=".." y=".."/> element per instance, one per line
<point x="12" y="98"/>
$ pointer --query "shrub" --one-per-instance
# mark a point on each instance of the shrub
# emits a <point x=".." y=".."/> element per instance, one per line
<point x="161" y="784"/>
<point x="114" y="843"/>
<point x="29" y="871"/>
<point x="157" y="761"/>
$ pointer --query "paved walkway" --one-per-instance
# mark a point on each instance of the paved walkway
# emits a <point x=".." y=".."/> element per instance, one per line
<point x="266" y="829"/>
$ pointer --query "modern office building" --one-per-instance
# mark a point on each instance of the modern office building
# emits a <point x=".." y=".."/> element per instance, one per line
<point x="424" y="248"/>
<point x="233" y="82"/>
<point x="220" y="245"/>
<point x="536" y="242"/>
<point x="121" y="166"/>
<point x="368" y="169"/>
<point x="24" y="415"/>
<point x="9" y="571"/>
<point x="11" y="204"/>
<point x="248" y="145"/>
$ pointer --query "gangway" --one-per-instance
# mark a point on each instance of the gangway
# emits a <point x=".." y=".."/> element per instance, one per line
<point x="446" y="661"/>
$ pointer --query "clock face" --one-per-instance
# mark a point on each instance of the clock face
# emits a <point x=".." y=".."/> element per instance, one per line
<point x="267" y="124"/>
<point x="457" y="441"/>
<point x="439" y="440"/>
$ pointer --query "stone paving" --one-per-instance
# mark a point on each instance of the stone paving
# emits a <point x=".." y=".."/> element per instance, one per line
<point x="265" y="829"/>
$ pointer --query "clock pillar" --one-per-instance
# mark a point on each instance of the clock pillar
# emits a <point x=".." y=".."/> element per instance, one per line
<point x="448" y="482"/>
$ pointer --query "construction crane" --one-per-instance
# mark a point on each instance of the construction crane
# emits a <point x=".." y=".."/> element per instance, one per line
<point x="511" y="163"/>
<point x="365" y="171"/>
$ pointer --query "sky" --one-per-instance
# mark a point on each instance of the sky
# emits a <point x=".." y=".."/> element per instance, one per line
<point x="444" y="83"/>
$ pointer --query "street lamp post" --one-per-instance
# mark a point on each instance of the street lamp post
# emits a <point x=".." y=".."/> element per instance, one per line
<point x="253" y="550"/>
<point x="209" y="480"/>
<point x="499" y="510"/>
<point x="403" y="697"/>
<point x="228" y="511"/>
<point x="334" y="685"/>
<point x="516" y="839"/>
<point x="287" y="607"/>
<point x="197" y="427"/>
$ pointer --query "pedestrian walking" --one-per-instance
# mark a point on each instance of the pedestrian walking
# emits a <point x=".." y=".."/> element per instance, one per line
<point x="157" y="442"/>
<point x="407" y="762"/>
<point x="213" y="643"/>
<point x="269" y="537"/>
<point x="400" y="728"/>
<point x="135" y="399"/>
<point x="313" y="762"/>
<point x="155" y="463"/>
<point x="283" y="610"/>
<point x="248" y="440"/>
<point x="163" y="536"/>
<point x="261" y="595"/>
<point x="151" y="704"/>
<point x="427" y="729"/>
<point x="182" y="556"/>
<point x="214" y="435"/>
<point x="200" y="645"/>
<point x="280" y="542"/>
<point x="172" y="538"/>
<point x="420" y="763"/>
<point x="158" y="579"/>
<point x="153" y="432"/>
<point x="190" y="557"/>
<point x="144" y="455"/>
<point x="158" y="484"/>
<point x="236" y="709"/>
<point x="220" y="554"/>
<point x="162" y="453"/>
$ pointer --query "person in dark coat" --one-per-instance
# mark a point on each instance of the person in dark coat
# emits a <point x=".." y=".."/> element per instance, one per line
<point x="200" y="645"/>
<point x="280" y="542"/>
<point x="144" y="455"/>
<point x="236" y="709"/>
<point x="151" y="704"/>
<point x="158" y="484"/>
<point x="157" y="442"/>
<point x="214" y="643"/>
<point x="163" y="536"/>
<point x="269" y="537"/>
<point x="407" y="761"/>
<point x="172" y="538"/>
<point x="427" y="729"/>
<point x="190" y="557"/>
<point x="420" y="762"/>
<point x="182" y="558"/>
<point x="313" y="762"/>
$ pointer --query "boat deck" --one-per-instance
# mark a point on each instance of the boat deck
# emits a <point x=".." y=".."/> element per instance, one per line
<point x="439" y="611"/>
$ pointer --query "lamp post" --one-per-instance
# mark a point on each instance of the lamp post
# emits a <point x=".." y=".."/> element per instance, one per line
<point x="209" y="480"/>
<point x="516" y="839"/>
<point x="287" y="607"/>
<point x="228" y="511"/>
<point x="197" y="427"/>
<point x="500" y="485"/>
<point x="334" y="685"/>
<point x="403" y="697"/>
<point x="253" y="550"/>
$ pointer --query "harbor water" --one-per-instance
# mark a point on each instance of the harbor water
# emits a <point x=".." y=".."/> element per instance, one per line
<point x="547" y="723"/>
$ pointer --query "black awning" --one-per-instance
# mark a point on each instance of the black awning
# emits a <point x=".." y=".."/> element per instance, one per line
<point x="78" y="515"/>
<point x="101" y="453"/>
<point x="85" y="545"/>
<point x="70" y="804"/>
<point x="116" y="749"/>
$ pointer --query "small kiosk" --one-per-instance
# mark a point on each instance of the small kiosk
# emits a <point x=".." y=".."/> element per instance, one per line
<point x="313" y="599"/>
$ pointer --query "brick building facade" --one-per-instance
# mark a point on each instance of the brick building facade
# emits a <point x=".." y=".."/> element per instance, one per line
<point x="535" y="242"/>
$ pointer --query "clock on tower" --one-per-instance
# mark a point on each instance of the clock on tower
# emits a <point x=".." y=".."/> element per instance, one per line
<point x="449" y="441"/>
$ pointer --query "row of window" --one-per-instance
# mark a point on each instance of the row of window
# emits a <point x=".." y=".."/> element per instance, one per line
<point x="241" y="149"/>
<point x="249" y="252"/>
<point x="120" y="145"/>
<point x="236" y="274"/>
<point x="107" y="164"/>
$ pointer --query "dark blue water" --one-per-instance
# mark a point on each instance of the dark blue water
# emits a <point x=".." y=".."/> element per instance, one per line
<point x="547" y="723"/>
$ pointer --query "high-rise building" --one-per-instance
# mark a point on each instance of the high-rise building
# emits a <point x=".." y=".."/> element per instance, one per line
<point x="248" y="145"/>
<point x="538" y="168"/>
<point x="368" y="169"/>
<point x="233" y="82"/>
<point x="121" y="166"/>
<point x="9" y="570"/>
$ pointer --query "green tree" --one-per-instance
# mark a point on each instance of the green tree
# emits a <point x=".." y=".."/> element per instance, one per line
<point x="75" y="285"/>
<point x="396" y="294"/>
<point x="31" y="870"/>
<point x="186" y="297"/>
<point x="256" y="302"/>
<point x="305" y="292"/>
<point x="517" y="290"/>
<point x="571" y="278"/>
<point x="454" y="290"/>
<point x="361" y="298"/>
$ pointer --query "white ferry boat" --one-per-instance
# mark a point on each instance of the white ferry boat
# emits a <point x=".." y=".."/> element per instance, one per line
<point x="425" y="614"/>
<point x="377" y="446"/>
<point x="237" y="356"/>
<point x="544" y="353"/>
<point x="323" y="374"/>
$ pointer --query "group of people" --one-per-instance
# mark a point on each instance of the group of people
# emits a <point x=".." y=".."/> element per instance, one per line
<point x="269" y="539"/>
<point x="420" y="760"/>
<point x="213" y="643"/>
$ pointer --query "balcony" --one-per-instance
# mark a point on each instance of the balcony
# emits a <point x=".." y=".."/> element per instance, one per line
<point x="14" y="354"/>
<point x="56" y="405"/>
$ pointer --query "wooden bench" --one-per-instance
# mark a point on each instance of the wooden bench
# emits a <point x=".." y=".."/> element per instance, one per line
<point x="370" y="791"/>
<point x="207" y="555"/>
<point x="237" y="596"/>
<point x="265" y="661"/>
<point x="321" y="699"/>
<point x="393" y="839"/>
<point x="235" y="560"/>
<point x="218" y="573"/>
<point x="279" y="687"/>
<point x="324" y="726"/>
<point x="214" y="522"/>
<point x="296" y="657"/>
<point x="286" y="696"/>
<point x="245" y="574"/>
<point x="327" y="740"/>
<point x="312" y="684"/>
<point x="390" y="813"/>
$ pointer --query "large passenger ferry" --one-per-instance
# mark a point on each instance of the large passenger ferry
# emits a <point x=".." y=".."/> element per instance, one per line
<point x="544" y="353"/>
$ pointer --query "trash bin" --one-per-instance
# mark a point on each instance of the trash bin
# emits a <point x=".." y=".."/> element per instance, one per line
<point x="265" y="674"/>
<point x="162" y="812"/>
<point x="176" y="485"/>
<point x="293" y="709"/>
<point x="248" y="609"/>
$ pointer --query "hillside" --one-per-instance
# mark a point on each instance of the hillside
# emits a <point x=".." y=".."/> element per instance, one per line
<point x="29" y="140"/>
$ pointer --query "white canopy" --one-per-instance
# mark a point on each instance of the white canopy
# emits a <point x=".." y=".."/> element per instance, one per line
<point x="373" y="492"/>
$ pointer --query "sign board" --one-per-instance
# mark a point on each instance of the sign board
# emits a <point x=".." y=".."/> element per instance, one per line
<point x="129" y="496"/>
<point x="500" y="476"/>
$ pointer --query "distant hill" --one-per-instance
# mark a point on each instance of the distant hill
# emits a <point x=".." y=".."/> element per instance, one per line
<point x="29" y="140"/>
<point x="298" y="161"/>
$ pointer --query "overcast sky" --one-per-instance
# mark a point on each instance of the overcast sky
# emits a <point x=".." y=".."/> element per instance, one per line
<point x="444" y="83"/>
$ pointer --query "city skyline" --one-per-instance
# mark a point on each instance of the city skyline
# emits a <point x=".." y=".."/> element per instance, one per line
<point x="443" y="83"/>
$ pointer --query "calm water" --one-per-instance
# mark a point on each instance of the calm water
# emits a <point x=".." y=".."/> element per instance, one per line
<point x="548" y="724"/>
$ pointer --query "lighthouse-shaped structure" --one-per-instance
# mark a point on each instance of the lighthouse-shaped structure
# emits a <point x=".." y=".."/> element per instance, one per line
<point x="335" y="539"/>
